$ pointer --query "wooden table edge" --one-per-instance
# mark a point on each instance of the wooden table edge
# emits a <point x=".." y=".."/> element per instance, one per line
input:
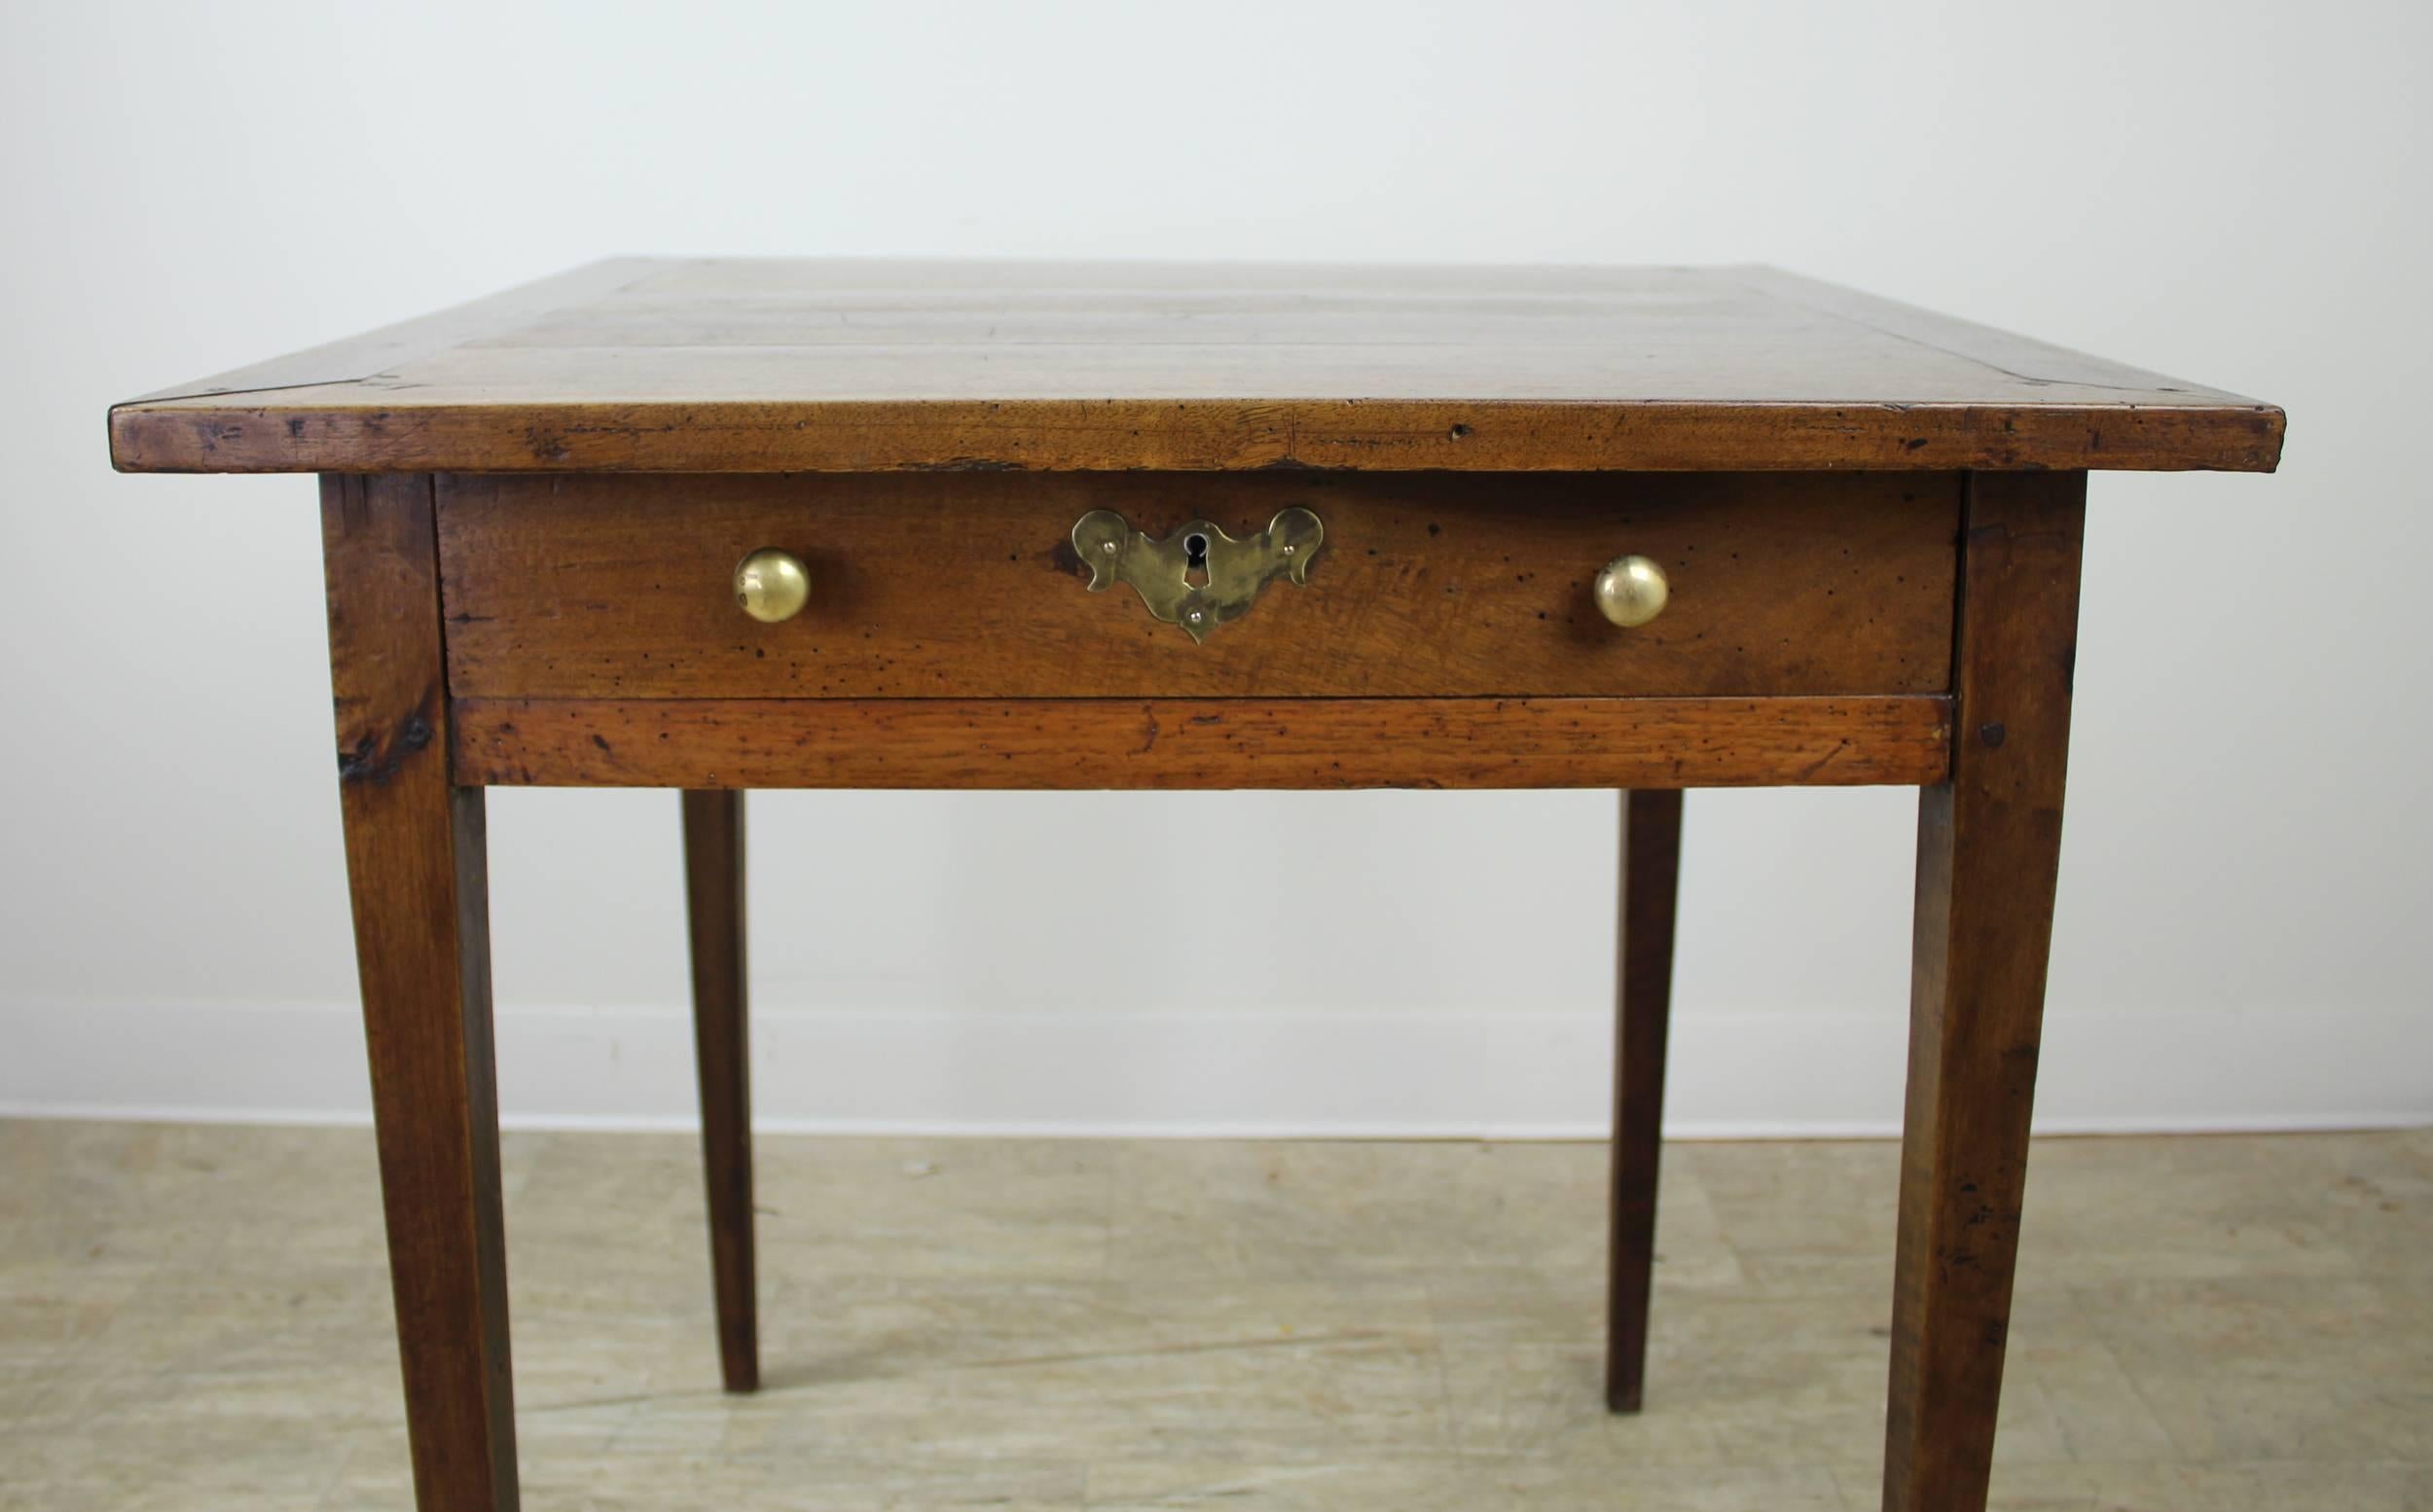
<point x="342" y="433"/>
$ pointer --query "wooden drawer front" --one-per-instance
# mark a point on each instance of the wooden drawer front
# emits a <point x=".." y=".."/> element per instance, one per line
<point x="968" y="586"/>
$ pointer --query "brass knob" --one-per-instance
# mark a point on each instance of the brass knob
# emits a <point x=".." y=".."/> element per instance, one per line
<point x="771" y="585"/>
<point x="1632" y="590"/>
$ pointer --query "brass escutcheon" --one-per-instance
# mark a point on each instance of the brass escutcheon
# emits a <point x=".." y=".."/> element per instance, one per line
<point x="1230" y="573"/>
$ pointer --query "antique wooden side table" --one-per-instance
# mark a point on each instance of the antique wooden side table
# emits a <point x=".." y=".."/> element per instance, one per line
<point x="714" y="526"/>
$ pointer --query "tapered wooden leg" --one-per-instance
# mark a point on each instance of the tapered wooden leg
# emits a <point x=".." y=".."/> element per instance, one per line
<point x="1643" y="1011"/>
<point x="1989" y="846"/>
<point x="713" y="888"/>
<point x="416" y="863"/>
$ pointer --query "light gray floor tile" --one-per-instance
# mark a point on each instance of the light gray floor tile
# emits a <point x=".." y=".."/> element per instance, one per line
<point x="200" y="1317"/>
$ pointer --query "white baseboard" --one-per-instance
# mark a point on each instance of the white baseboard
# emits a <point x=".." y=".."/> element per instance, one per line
<point x="1493" y="1073"/>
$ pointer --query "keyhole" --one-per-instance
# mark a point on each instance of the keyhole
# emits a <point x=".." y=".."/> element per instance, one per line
<point x="1195" y="560"/>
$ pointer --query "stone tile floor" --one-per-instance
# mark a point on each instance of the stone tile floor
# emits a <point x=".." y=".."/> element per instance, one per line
<point x="197" y="1318"/>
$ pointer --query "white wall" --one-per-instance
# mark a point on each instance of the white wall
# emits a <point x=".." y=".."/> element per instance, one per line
<point x="2232" y="193"/>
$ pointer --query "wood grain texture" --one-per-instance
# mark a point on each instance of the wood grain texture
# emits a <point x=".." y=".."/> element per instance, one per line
<point x="1989" y="846"/>
<point x="373" y="355"/>
<point x="860" y="366"/>
<point x="969" y="587"/>
<point x="714" y="908"/>
<point x="1095" y="744"/>
<point x="416" y="865"/>
<point x="1651" y="883"/>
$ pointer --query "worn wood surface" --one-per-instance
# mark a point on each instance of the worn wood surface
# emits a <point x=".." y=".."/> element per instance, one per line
<point x="348" y="361"/>
<point x="416" y="868"/>
<point x="1989" y="846"/>
<point x="857" y="366"/>
<point x="714" y="906"/>
<point x="1086" y="744"/>
<point x="969" y="587"/>
<point x="1651" y="881"/>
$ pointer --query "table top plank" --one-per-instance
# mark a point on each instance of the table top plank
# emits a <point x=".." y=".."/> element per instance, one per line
<point x="362" y="358"/>
<point x="768" y="365"/>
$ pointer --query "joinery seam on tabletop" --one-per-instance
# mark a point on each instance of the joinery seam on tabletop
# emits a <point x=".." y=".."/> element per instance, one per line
<point x="388" y="346"/>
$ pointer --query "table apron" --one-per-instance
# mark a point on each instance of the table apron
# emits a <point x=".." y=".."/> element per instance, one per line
<point x="1117" y="743"/>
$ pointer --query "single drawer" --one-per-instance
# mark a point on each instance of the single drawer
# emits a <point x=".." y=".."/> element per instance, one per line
<point x="969" y="585"/>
